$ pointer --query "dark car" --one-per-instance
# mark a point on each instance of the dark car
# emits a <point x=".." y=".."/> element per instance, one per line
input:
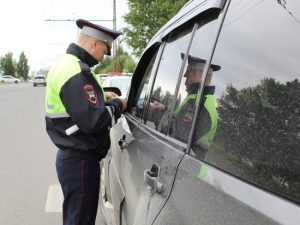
<point x="223" y="150"/>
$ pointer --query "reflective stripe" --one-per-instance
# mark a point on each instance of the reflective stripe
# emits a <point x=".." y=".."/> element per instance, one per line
<point x="113" y="121"/>
<point x="50" y="106"/>
<point x="59" y="115"/>
<point x="72" y="129"/>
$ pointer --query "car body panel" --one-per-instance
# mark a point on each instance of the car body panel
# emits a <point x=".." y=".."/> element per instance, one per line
<point x="223" y="199"/>
<point x="141" y="203"/>
<point x="191" y="10"/>
<point x="217" y="189"/>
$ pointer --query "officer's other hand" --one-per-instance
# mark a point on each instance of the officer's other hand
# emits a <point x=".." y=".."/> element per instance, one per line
<point x="156" y="105"/>
<point x="110" y="95"/>
<point x="124" y="103"/>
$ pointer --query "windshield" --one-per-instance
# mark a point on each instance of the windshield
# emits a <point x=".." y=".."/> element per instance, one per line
<point x="122" y="84"/>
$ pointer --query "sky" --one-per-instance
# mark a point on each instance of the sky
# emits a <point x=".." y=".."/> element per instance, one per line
<point x="24" y="26"/>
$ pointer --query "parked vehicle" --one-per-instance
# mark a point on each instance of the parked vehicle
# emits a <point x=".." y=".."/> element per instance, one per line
<point x="121" y="82"/>
<point x="39" y="80"/>
<point x="247" y="171"/>
<point x="9" y="79"/>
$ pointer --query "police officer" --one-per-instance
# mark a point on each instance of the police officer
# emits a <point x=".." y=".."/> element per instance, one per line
<point x="78" y="119"/>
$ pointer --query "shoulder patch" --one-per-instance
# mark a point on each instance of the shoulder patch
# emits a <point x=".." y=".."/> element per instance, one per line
<point x="90" y="94"/>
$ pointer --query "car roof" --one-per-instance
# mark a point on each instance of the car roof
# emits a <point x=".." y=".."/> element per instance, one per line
<point x="119" y="77"/>
<point x="188" y="11"/>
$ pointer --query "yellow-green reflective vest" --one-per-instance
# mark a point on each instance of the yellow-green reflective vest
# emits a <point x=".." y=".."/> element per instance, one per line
<point x="59" y="74"/>
<point x="210" y="106"/>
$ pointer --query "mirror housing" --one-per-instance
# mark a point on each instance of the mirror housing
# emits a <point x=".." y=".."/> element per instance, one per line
<point x="113" y="89"/>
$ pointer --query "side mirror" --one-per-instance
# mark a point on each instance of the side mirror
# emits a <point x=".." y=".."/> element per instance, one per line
<point x="113" y="89"/>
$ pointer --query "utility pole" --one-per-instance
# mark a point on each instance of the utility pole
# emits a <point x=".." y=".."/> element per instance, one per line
<point x="116" y="63"/>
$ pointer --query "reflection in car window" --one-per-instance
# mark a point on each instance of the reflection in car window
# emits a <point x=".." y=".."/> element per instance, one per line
<point x="182" y="117"/>
<point x="257" y="91"/>
<point x="139" y="108"/>
<point x="166" y="79"/>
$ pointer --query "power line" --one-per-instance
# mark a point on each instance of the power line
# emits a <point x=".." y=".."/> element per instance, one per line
<point x="283" y="3"/>
<point x="247" y="11"/>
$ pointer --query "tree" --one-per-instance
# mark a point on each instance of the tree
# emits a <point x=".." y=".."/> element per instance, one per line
<point x="145" y="18"/>
<point x="261" y="124"/>
<point x="127" y="64"/>
<point x="22" y="67"/>
<point x="43" y="71"/>
<point x="8" y="64"/>
<point x="106" y="66"/>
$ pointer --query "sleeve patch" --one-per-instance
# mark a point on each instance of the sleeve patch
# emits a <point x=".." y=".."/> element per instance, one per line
<point x="90" y="94"/>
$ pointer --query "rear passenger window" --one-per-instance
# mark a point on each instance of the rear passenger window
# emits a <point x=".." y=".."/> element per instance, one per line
<point x="257" y="92"/>
<point x="201" y="47"/>
<point x="174" y="116"/>
<point x="163" y="90"/>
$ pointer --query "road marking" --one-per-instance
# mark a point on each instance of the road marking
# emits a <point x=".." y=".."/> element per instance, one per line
<point x="54" y="199"/>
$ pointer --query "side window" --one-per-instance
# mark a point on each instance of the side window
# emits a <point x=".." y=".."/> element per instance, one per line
<point x="201" y="48"/>
<point x="254" y="131"/>
<point x="163" y="90"/>
<point x="139" y="107"/>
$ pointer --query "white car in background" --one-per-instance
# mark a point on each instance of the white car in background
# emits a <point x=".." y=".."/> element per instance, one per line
<point x="9" y="79"/>
<point x="121" y="82"/>
<point x="39" y="80"/>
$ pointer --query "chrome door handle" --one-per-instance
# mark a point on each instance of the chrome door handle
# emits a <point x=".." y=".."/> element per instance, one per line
<point x="122" y="142"/>
<point x="151" y="178"/>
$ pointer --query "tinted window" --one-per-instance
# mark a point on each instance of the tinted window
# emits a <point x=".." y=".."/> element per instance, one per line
<point x="162" y="94"/>
<point x="257" y="94"/>
<point x="140" y="101"/>
<point x="39" y="77"/>
<point x="184" y="111"/>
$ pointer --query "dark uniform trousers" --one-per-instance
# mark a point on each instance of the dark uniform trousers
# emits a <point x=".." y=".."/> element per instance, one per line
<point x="80" y="182"/>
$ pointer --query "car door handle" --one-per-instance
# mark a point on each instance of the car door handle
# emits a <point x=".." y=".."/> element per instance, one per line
<point x="122" y="142"/>
<point x="151" y="178"/>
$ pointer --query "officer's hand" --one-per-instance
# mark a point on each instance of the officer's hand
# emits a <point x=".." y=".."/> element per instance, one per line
<point x="124" y="103"/>
<point x="110" y="95"/>
<point x="156" y="105"/>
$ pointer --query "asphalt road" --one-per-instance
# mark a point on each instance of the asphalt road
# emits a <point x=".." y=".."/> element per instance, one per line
<point x="29" y="190"/>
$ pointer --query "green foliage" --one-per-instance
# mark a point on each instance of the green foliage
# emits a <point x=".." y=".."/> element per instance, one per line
<point x="126" y="63"/>
<point x="8" y="64"/>
<point x="106" y="66"/>
<point x="43" y="71"/>
<point x="145" y="18"/>
<point x="22" y="67"/>
<point x="261" y="124"/>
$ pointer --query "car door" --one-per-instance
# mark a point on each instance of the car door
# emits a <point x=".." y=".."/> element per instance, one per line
<point x="143" y="163"/>
<point x="249" y="174"/>
<point x="144" y="158"/>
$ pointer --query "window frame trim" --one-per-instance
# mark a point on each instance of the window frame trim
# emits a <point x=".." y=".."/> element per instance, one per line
<point x="200" y="96"/>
